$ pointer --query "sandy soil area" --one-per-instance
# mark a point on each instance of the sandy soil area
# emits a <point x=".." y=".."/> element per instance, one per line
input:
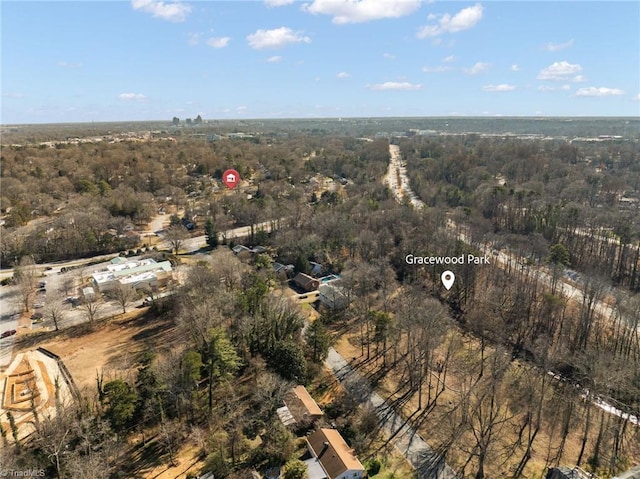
<point x="110" y="347"/>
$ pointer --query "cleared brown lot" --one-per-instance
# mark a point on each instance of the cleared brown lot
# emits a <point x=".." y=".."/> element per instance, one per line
<point x="110" y="346"/>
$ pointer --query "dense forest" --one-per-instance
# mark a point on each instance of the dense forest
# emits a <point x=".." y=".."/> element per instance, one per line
<point x="502" y="374"/>
<point x="532" y="195"/>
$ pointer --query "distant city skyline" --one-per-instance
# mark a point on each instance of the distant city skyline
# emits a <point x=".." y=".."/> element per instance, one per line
<point x="153" y="60"/>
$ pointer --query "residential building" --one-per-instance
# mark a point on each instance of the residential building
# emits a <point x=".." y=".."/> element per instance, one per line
<point x="331" y="457"/>
<point x="283" y="272"/>
<point x="302" y="406"/>
<point x="316" y="268"/>
<point x="306" y="282"/>
<point x="333" y="296"/>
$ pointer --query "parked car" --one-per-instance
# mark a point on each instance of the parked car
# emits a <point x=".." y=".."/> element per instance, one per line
<point x="6" y="334"/>
<point x="36" y="316"/>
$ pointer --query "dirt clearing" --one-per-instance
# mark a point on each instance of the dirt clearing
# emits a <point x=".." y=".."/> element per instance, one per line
<point x="111" y="346"/>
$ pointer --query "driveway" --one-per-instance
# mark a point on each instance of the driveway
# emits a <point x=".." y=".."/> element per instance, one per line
<point x="427" y="463"/>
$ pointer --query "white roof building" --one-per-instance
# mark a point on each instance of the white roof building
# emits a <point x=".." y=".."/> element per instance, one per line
<point x="138" y="274"/>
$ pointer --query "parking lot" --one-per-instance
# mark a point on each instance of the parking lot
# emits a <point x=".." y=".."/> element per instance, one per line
<point x="55" y="285"/>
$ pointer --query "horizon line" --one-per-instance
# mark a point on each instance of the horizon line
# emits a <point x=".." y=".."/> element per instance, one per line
<point x="336" y="118"/>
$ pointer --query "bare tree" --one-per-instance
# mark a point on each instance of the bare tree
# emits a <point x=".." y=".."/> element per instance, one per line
<point x="67" y="285"/>
<point x="91" y="304"/>
<point x="25" y="274"/>
<point x="54" y="310"/>
<point x="52" y="438"/>
<point x="123" y="294"/>
<point x="360" y="280"/>
<point x="486" y="413"/>
<point x="175" y="236"/>
<point x="593" y="289"/>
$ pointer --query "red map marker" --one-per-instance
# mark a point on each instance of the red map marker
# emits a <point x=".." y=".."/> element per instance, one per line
<point x="231" y="178"/>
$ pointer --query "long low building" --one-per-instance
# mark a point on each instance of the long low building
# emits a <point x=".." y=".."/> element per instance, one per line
<point x="141" y="274"/>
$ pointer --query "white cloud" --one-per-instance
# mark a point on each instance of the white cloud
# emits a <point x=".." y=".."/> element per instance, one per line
<point x="69" y="65"/>
<point x="554" y="47"/>
<point x="463" y="20"/>
<point x="194" y="38"/>
<point x="448" y="59"/>
<point x="479" y="67"/>
<point x="515" y="67"/>
<point x="554" y="88"/>
<point x="218" y="42"/>
<point x="599" y="91"/>
<point x="343" y="75"/>
<point x="389" y="56"/>
<point x="392" y="85"/>
<point x="499" y="88"/>
<point x="276" y="38"/>
<point x="437" y="69"/>
<point x="561" y="71"/>
<point x="359" y="11"/>
<point x="637" y="97"/>
<point x="278" y="3"/>
<point x="12" y="95"/>
<point x="274" y="59"/>
<point x="174" y="11"/>
<point x="132" y="96"/>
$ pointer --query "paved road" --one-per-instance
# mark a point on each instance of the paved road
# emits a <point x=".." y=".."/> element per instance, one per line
<point x="197" y="242"/>
<point x="427" y="463"/>
<point x="397" y="180"/>
<point x="189" y="245"/>
<point x="6" y="344"/>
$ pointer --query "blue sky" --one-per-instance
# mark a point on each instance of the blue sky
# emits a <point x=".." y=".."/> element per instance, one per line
<point x="152" y="60"/>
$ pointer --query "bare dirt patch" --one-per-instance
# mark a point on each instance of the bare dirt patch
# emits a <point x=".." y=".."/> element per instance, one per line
<point x="110" y="346"/>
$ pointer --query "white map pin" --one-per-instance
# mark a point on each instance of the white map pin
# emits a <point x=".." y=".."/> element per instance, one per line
<point x="447" y="279"/>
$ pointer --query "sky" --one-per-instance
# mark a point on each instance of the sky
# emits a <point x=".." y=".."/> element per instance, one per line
<point x="66" y="61"/>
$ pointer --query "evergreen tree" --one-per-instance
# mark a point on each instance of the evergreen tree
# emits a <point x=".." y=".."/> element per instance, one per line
<point x="295" y="469"/>
<point x="318" y="341"/>
<point x="287" y="359"/>
<point x="211" y="233"/>
<point x="121" y="404"/>
<point x="222" y="360"/>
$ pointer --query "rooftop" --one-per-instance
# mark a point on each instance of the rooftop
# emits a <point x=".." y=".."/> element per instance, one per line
<point x="301" y="404"/>
<point x="332" y="452"/>
<point x="130" y="269"/>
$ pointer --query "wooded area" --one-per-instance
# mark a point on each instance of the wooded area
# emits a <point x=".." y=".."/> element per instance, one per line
<point x="501" y="375"/>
